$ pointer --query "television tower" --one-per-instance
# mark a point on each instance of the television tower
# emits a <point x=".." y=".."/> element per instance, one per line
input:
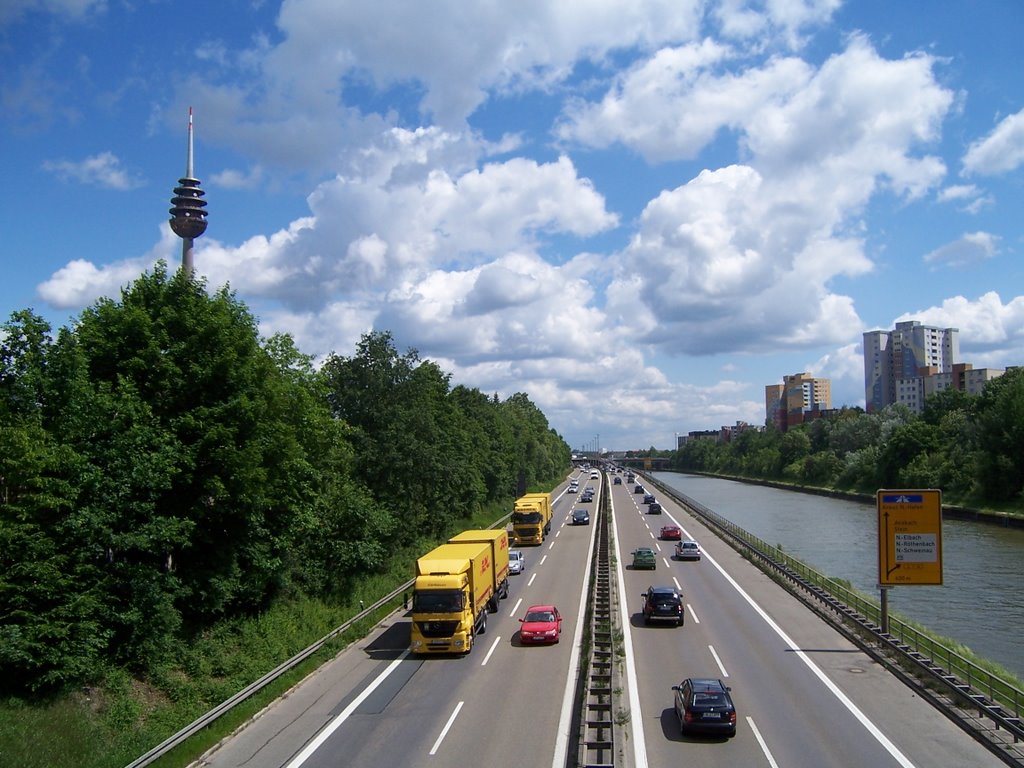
<point x="188" y="214"/>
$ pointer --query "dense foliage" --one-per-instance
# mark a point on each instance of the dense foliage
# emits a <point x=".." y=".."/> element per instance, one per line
<point x="970" y="447"/>
<point x="163" y="467"/>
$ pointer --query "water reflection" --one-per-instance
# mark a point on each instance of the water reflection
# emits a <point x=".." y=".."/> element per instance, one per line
<point x="980" y="603"/>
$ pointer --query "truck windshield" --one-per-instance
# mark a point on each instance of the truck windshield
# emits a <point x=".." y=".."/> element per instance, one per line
<point x="525" y="517"/>
<point x="437" y="601"/>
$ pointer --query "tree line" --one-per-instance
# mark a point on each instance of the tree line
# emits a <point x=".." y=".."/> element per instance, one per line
<point x="163" y="467"/>
<point x="971" y="447"/>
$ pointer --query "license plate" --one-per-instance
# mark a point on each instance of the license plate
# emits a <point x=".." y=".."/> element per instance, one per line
<point x="712" y="715"/>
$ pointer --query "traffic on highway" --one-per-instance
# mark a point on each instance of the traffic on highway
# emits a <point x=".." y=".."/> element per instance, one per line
<point x="720" y="666"/>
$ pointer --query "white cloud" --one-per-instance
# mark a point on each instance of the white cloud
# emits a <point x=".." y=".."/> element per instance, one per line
<point x="720" y="264"/>
<point x="81" y="282"/>
<point x="986" y="325"/>
<point x="999" y="152"/>
<point x="786" y="19"/>
<point x="478" y="49"/>
<point x="354" y="245"/>
<point x="231" y="178"/>
<point x="973" y="198"/>
<point x="11" y="10"/>
<point x="102" y="170"/>
<point x="965" y="251"/>
<point x="844" y="368"/>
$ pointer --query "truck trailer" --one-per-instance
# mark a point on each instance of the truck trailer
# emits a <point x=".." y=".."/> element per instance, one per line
<point x="531" y="518"/>
<point x="497" y="539"/>
<point x="455" y="586"/>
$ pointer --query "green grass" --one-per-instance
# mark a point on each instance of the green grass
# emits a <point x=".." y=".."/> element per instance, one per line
<point x="118" y="718"/>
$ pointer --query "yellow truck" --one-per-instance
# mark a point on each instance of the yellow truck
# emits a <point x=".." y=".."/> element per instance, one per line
<point x="456" y="584"/>
<point x="531" y="518"/>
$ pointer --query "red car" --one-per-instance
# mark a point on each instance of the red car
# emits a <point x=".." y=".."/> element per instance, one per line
<point x="543" y="624"/>
<point x="671" y="532"/>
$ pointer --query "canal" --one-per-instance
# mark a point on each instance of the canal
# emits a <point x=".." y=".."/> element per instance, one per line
<point x="980" y="603"/>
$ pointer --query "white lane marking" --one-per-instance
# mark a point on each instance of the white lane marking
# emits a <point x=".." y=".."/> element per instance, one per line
<point x="530" y="582"/>
<point x="693" y="613"/>
<point x="764" y="746"/>
<point x="444" y="731"/>
<point x="676" y="582"/>
<point x="488" y="656"/>
<point x="845" y="700"/>
<point x="557" y="533"/>
<point x="718" y="661"/>
<point x="667" y="563"/>
<point x="515" y="608"/>
<point x="545" y="557"/>
<point x="332" y="726"/>
<point x="552" y="544"/>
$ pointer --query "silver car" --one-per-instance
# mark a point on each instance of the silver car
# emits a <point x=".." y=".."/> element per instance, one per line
<point x="516" y="561"/>
<point x="688" y="550"/>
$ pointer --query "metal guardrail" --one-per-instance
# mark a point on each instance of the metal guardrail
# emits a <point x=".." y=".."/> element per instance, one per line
<point x="596" y="748"/>
<point x="992" y="696"/>
<point x="226" y="706"/>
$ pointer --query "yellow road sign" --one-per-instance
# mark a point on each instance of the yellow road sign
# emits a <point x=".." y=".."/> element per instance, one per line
<point x="909" y="537"/>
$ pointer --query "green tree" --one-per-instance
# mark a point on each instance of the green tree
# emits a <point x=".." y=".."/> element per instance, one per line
<point x="1000" y="444"/>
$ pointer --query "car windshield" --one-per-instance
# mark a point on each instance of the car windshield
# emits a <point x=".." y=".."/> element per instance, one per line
<point x="540" y="616"/>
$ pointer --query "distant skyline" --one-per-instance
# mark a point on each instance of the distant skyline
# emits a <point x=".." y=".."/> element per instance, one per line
<point x="639" y="214"/>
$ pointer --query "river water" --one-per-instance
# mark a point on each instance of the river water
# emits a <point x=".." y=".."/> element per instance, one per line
<point x="981" y="600"/>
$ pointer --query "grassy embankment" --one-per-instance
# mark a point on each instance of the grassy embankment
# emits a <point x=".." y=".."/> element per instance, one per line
<point x="118" y="717"/>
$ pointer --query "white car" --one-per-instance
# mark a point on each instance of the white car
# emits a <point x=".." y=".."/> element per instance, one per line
<point x="688" y="550"/>
<point x="516" y="561"/>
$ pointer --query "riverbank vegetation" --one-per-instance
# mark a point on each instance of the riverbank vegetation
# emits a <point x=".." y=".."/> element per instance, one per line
<point x="184" y="504"/>
<point x="970" y="447"/>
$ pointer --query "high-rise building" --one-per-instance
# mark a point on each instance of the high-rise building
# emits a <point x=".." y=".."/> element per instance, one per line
<point x="796" y="399"/>
<point x="895" y="360"/>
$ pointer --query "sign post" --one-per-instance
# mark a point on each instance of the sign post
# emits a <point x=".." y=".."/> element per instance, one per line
<point x="909" y="541"/>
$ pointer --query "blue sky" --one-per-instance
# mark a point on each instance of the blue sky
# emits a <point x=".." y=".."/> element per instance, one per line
<point x="640" y="214"/>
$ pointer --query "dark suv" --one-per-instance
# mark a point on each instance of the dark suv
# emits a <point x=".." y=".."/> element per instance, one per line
<point x="663" y="604"/>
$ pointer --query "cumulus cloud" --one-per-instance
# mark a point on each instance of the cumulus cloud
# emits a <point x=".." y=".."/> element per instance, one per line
<point x="999" y="152"/>
<point x="965" y="251"/>
<point x="80" y="282"/>
<point x="986" y="324"/>
<point x="103" y="170"/>
<point x="354" y="245"/>
<point x="722" y="264"/>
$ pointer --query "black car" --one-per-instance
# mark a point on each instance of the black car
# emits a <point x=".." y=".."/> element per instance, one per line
<point x="704" y="705"/>
<point x="654" y="508"/>
<point x="663" y="604"/>
<point x="617" y="481"/>
<point x="638" y="488"/>
<point x="649" y="498"/>
<point x="580" y="517"/>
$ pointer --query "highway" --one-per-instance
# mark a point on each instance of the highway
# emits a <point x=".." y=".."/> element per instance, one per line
<point x="805" y="695"/>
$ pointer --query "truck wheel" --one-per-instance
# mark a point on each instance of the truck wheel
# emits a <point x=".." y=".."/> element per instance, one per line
<point x="483" y="624"/>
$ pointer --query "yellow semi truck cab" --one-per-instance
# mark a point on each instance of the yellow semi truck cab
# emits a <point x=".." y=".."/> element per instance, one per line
<point x="531" y="518"/>
<point x="455" y="584"/>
